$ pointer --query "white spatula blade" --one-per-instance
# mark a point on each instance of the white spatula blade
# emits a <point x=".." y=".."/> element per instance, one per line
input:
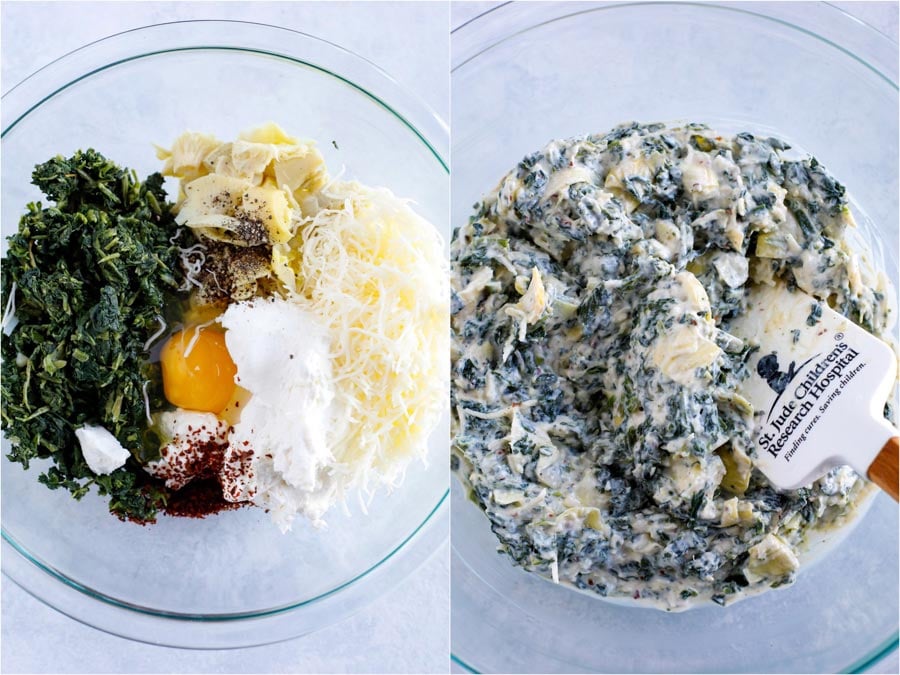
<point x="818" y="385"/>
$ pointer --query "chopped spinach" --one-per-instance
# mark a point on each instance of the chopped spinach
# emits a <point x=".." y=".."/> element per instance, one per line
<point x="90" y="275"/>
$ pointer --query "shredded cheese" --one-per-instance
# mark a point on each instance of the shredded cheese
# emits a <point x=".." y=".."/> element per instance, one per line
<point x="152" y="338"/>
<point x="375" y="275"/>
<point x="192" y="260"/>
<point x="147" y="402"/>
<point x="9" y="313"/>
<point x="196" y="336"/>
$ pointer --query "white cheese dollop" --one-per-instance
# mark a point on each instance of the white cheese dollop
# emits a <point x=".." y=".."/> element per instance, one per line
<point x="102" y="452"/>
<point x="282" y="359"/>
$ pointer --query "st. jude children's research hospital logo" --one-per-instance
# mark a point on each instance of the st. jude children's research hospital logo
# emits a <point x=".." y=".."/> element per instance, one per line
<point x="811" y="396"/>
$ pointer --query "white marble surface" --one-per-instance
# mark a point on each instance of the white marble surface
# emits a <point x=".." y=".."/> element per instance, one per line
<point x="881" y="15"/>
<point x="396" y="633"/>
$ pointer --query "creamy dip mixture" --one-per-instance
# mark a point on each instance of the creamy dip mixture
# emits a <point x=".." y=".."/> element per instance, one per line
<point x="595" y="382"/>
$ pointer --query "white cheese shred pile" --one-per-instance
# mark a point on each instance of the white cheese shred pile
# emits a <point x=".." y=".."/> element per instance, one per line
<point x="375" y="274"/>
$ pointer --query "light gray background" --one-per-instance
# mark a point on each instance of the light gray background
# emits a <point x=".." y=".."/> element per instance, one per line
<point x="881" y="15"/>
<point x="385" y="637"/>
<point x="397" y="633"/>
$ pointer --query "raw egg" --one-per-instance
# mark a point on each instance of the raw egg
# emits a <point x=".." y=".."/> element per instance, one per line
<point x="198" y="376"/>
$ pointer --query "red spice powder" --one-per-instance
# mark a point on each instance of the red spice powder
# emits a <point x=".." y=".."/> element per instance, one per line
<point x="199" y="499"/>
<point x="203" y="465"/>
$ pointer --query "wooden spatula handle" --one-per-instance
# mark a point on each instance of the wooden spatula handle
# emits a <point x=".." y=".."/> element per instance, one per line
<point x="884" y="470"/>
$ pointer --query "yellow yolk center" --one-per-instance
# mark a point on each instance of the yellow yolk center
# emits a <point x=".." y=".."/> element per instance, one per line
<point x="202" y="379"/>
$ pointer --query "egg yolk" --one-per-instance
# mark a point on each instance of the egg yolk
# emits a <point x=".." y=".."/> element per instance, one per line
<point x="202" y="380"/>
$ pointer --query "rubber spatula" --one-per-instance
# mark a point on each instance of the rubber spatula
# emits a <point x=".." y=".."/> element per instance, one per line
<point x="818" y="384"/>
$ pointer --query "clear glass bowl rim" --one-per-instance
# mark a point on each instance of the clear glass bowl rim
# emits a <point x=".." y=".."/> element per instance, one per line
<point x="468" y="43"/>
<point x="874" y="46"/>
<point x="247" y="37"/>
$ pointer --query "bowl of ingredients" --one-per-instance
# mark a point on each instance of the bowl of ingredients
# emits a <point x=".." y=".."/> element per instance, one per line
<point x="601" y="439"/>
<point x="224" y="333"/>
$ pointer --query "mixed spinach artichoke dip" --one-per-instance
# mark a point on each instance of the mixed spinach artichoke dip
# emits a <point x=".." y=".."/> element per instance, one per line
<point x="597" y="418"/>
<point x="274" y="337"/>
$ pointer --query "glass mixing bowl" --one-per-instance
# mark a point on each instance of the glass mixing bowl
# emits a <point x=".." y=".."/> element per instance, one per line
<point x="526" y="73"/>
<point x="232" y="579"/>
